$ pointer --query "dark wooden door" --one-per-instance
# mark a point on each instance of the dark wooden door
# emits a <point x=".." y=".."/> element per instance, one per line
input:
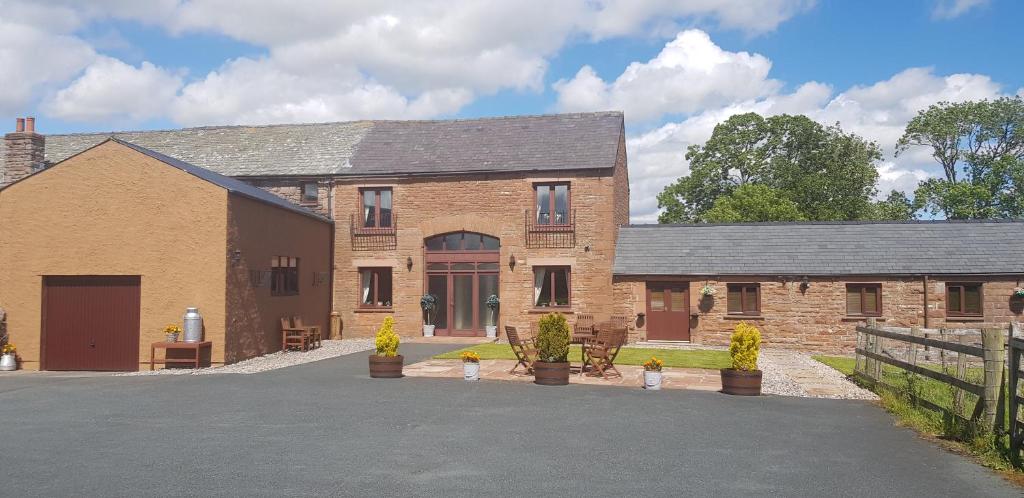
<point x="668" y="311"/>
<point x="91" y="323"/>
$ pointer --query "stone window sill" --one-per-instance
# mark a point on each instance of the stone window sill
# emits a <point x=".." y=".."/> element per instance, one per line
<point x="862" y="318"/>
<point x="965" y="318"/>
<point x="374" y="310"/>
<point x="744" y="317"/>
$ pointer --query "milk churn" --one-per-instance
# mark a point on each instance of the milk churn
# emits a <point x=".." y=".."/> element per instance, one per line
<point x="193" y="325"/>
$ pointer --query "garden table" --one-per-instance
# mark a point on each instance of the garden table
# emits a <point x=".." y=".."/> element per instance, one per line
<point x="196" y="347"/>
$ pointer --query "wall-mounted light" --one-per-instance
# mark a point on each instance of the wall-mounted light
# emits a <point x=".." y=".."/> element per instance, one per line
<point x="408" y="263"/>
<point x="512" y="262"/>
<point x="236" y="256"/>
<point x="805" y="283"/>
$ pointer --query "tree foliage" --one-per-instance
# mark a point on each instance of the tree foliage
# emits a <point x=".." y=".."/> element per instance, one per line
<point x="825" y="173"/>
<point x="980" y="147"/>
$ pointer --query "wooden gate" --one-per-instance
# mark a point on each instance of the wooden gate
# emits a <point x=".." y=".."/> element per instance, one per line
<point x="91" y="323"/>
<point x="1015" y="361"/>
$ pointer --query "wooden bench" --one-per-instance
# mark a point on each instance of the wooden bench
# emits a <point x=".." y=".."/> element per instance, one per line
<point x="196" y="347"/>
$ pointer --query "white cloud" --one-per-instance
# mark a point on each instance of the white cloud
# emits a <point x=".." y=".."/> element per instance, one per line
<point x="626" y="17"/>
<point x="950" y="9"/>
<point x="111" y="89"/>
<point x="878" y="112"/>
<point x="691" y="73"/>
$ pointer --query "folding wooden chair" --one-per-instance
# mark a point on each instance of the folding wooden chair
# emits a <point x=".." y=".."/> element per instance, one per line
<point x="293" y="337"/>
<point x="315" y="337"/>
<point x="524" y="349"/>
<point x="584" y="324"/>
<point x="600" y="351"/>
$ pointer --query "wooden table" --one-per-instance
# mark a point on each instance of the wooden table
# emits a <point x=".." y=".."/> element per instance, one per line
<point x="196" y="347"/>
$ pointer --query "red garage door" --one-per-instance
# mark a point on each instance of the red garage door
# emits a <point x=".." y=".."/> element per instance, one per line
<point x="91" y="323"/>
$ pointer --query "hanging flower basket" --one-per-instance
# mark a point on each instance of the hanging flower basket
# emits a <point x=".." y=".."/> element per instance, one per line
<point x="1018" y="291"/>
<point x="707" y="290"/>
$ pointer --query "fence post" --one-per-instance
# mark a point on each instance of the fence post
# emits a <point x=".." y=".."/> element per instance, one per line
<point x="876" y="347"/>
<point x="992" y="343"/>
<point x="869" y="345"/>
<point x="335" y="325"/>
<point x="912" y="355"/>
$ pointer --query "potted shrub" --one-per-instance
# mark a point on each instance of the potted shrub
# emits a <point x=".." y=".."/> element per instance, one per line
<point x="470" y="365"/>
<point x="552" y="365"/>
<point x="387" y="363"/>
<point x="171" y="333"/>
<point x="492" y="305"/>
<point x="652" y="373"/>
<point x="8" y="358"/>
<point x="743" y="378"/>
<point x="428" y="303"/>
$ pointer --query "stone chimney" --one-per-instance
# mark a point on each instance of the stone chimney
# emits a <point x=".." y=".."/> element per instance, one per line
<point x="23" y="152"/>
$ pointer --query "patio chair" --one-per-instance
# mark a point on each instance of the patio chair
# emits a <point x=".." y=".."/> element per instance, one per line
<point x="600" y="351"/>
<point x="620" y="320"/>
<point x="524" y="349"/>
<point x="293" y="337"/>
<point x="584" y="324"/>
<point x="315" y="337"/>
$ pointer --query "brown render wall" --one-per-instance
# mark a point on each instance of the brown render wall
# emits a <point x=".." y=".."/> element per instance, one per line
<point x="493" y="204"/>
<point x="816" y="320"/>
<point x="259" y="232"/>
<point x="114" y="211"/>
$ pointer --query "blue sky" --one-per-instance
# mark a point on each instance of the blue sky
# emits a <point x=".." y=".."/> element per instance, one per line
<point x="116" y="64"/>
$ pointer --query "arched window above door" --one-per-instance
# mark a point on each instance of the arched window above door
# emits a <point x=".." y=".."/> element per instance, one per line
<point x="462" y="241"/>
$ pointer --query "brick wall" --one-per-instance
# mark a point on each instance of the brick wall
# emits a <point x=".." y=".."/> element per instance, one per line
<point x="492" y="204"/>
<point x="291" y="190"/>
<point x="815" y="319"/>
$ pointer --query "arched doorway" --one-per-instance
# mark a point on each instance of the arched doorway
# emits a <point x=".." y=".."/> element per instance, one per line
<point x="462" y="271"/>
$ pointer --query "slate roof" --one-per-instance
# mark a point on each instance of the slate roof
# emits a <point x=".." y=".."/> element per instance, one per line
<point x="227" y="183"/>
<point x="517" y="143"/>
<point x="822" y="248"/>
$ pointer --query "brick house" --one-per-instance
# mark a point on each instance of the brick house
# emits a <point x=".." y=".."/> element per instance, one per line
<point x="806" y="285"/>
<point x="524" y="208"/>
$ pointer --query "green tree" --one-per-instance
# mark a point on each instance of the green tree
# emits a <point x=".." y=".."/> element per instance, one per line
<point x="980" y="146"/>
<point x="752" y="202"/>
<point x="827" y="173"/>
<point x="896" y="207"/>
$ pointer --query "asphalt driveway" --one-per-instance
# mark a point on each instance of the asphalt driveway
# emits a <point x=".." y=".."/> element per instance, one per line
<point x="326" y="428"/>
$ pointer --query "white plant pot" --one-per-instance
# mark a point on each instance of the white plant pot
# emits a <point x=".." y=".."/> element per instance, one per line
<point x="428" y="331"/>
<point x="8" y="363"/>
<point x="492" y="330"/>
<point x="470" y="371"/>
<point x="652" y="380"/>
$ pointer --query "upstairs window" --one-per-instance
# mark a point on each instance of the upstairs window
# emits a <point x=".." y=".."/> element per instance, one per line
<point x="552" y="203"/>
<point x="310" y="193"/>
<point x="744" y="299"/>
<point x="284" y="276"/>
<point x="551" y="286"/>
<point x="864" y="299"/>
<point x="375" y="287"/>
<point x="963" y="299"/>
<point x="376" y="207"/>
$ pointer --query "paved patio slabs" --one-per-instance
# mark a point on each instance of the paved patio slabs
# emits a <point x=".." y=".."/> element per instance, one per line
<point x="325" y="428"/>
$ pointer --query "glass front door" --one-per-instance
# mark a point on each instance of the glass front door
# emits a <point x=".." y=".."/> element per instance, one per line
<point x="462" y="272"/>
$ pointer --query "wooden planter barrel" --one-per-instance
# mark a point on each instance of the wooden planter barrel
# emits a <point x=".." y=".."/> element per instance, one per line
<point x="741" y="382"/>
<point x="386" y="367"/>
<point x="551" y="374"/>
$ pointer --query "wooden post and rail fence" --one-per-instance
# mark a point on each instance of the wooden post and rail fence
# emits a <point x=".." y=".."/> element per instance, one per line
<point x="954" y="357"/>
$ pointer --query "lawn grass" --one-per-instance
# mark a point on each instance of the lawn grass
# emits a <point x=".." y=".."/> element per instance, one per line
<point x="627" y="356"/>
<point x="900" y="398"/>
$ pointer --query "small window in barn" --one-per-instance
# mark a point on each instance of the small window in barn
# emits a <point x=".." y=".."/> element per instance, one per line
<point x="963" y="299"/>
<point x="375" y="287"/>
<point x="376" y="207"/>
<point x="310" y="193"/>
<point x="552" y="202"/>
<point x="863" y="299"/>
<point x="284" y="276"/>
<point x="744" y="299"/>
<point x="551" y="286"/>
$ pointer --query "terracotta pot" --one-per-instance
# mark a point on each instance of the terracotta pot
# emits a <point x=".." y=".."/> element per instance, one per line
<point x="741" y="382"/>
<point x="551" y="374"/>
<point x="386" y="367"/>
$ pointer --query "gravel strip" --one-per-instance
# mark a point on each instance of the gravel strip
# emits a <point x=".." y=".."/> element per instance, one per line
<point x="791" y="373"/>
<point x="273" y="361"/>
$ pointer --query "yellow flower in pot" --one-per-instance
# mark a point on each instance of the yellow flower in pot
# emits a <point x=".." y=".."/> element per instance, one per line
<point x="652" y="373"/>
<point x="470" y="365"/>
<point x="171" y="333"/>
<point x="8" y="358"/>
<point x="387" y="363"/>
